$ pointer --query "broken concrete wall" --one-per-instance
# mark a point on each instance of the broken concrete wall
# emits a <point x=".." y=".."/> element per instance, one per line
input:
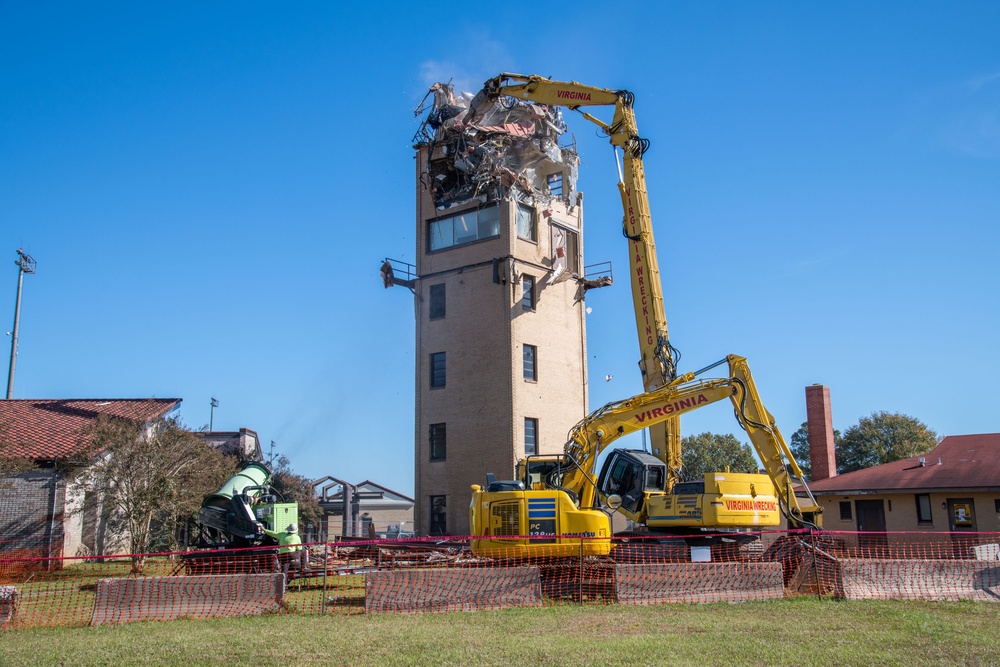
<point x="511" y="149"/>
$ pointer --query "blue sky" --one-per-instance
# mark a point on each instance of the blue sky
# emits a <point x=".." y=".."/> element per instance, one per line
<point x="209" y="188"/>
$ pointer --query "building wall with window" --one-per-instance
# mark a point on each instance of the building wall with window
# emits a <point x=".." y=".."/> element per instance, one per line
<point x="474" y="319"/>
<point x="953" y="488"/>
<point x="901" y="510"/>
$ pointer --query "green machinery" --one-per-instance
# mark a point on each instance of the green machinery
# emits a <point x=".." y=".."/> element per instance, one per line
<point x="245" y="512"/>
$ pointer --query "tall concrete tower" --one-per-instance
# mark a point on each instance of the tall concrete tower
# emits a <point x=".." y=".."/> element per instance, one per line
<point x="500" y="333"/>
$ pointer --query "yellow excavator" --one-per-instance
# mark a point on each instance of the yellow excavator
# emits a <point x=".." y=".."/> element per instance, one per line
<point x="557" y="499"/>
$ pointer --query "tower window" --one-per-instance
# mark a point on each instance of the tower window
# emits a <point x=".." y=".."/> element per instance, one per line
<point x="555" y="183"/>
<point x="526" y="228"/>
<point x="528" y="292"/>
<point x="530" y="436"/>
<point x="466" y="227"/>
<point x="437" y="370"/>
<point x="566" y="247"/>
<point x="439" y="515"/>
<point x="439" y="451"/>
<point x="530" y="369"/>
<point x="437" y="308"/>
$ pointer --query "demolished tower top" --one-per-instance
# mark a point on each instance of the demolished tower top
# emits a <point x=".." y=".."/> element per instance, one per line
<point x="501" y="149"/>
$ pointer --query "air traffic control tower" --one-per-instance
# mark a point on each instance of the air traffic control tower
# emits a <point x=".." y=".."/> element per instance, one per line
<point x="501" y="359"/>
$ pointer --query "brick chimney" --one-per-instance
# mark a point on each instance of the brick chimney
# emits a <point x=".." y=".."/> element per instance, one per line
<point x="820" y="420"/>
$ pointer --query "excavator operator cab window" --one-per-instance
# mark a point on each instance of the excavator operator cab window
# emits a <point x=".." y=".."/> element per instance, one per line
<point x="538" y="474"/>
<point x="654" y="479"/>
<point x="626" y="480"/>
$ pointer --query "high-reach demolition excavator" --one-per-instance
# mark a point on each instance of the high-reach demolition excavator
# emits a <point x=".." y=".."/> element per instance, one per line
<point x="557" y="499"/>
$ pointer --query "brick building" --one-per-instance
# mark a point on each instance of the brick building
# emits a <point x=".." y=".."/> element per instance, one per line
<point x="500" y="333"/>
<point x="954" y="488"/>
<point x="44" y="512"/>
<point x="243" y="444"/>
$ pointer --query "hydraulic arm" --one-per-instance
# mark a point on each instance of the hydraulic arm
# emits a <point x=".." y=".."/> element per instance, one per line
<point x="685" y="394"/>
<point x="658" y="360"/>
<point x="560" y="497"/>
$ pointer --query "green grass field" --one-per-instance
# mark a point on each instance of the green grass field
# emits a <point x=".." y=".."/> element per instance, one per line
<point x="802" y="631"/>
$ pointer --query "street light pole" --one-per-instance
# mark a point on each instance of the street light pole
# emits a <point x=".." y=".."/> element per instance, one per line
<point x="211" y="419"/>
<point x="25" y="264"/>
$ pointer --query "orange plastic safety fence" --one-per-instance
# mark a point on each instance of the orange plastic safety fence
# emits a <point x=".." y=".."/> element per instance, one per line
<point x="421" y="575"/>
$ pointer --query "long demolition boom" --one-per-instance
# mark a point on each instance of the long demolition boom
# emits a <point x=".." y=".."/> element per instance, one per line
<point x="658" y="360"/>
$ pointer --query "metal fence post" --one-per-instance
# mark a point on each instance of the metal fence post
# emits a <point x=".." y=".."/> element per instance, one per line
<point x="326" y="560"/>
<point x="815" y="566"/>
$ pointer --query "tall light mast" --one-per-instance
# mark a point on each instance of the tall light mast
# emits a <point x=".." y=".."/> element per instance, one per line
<point x="25" y="264"/>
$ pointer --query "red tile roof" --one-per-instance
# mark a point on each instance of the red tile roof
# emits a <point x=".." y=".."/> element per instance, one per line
<point x="49" y="429"/>
<point x="966" y="462"/>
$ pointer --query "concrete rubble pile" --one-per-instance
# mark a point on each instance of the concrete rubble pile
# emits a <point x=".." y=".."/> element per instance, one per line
<point x="482" y="151"/>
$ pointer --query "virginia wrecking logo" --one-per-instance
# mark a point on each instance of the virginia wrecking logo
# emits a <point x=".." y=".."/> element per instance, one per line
<point x="751" y="505"/>
<point x="671" y="408"/>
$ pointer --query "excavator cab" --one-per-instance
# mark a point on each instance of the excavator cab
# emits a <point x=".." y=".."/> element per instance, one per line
<point x="632" y="474"/>
<point x="542" y="471"/>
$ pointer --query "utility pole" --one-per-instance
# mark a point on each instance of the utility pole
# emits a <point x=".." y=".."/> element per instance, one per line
<point x="211" y="418"/>
<point x="25" y="264"/>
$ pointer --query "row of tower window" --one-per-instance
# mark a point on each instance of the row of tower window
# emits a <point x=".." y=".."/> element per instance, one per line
<point x="439" y="439"/>
<point x="481" y="224"/>
<point x="438" y="306"/>
<point x="477" y="225"/>
<point x="439" y="366"/>
<point x="438" y="436"/>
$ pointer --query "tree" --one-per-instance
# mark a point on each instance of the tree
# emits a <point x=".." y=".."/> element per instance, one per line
<point x="299" y="489"/>
<point x="881" y="438"/>
<point x="799" y="444"/>
<point x="148" y="477"/>
<point x="709" y="452"/>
